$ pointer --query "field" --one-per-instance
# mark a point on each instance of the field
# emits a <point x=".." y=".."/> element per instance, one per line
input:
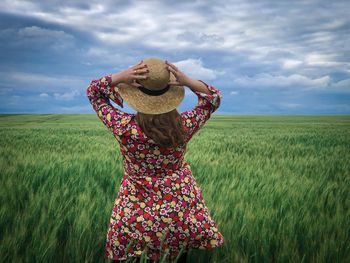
<point x="278" y="187"/>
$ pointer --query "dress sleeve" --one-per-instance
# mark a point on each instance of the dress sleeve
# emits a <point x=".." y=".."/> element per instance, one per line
<point x="99" y="93"/>
<point x="207" y="103"/>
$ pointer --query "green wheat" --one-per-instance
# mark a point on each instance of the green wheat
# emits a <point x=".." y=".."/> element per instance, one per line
<point x="278" y="187"/>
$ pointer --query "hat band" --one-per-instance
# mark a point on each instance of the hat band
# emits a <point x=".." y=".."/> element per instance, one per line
<point x="154" y="92"/>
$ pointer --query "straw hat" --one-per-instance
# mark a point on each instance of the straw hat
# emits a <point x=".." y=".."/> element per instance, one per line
<point x="155" y="97"/>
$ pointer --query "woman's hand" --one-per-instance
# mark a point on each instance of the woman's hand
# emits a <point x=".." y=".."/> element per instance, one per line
<point x="131" y="75"/>
<point x="181" y="78"/>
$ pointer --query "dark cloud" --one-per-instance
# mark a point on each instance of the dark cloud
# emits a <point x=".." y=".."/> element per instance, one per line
<point x="294" y="53"/>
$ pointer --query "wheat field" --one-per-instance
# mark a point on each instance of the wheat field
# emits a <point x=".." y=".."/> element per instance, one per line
<point x="278" y="187"/>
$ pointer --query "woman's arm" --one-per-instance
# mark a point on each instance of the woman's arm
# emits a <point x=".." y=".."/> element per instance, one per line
<point x="209" y="99"/>
<point x="184" y="80"/>
<point x="128" y="76"/>
<point x="102" y="90"/>
<point x="116" y="79"/>
<point x="207" y="103"/>
<point x="198" y="86"/>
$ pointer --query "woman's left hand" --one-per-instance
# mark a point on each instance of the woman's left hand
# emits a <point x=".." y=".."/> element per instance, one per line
<point x="131" y="75"/>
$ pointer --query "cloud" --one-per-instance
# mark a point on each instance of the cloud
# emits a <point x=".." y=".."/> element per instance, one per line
<point x="43" y="95"/>
<point x="342" y="84"/>
<point x="195" y="69"/>
<point x="101" y="55"/>
<point x="257" y="28"/>
<point x="24" y="81"/>
<point x="35" y="37"/>
<point x="66" y="96"/>
<point x="283" y="47"/>
<point x="291" y="63"/>
<point x="289" y="105"/>
<point x="253" y="26"/>
<point x="35" y="78"/>
<point x="200" y="38"/>
<point x="317" y="59"/>
<point x="295" y="80"/>
<point x="64" y="88"/>
<point x="38" y="32"/>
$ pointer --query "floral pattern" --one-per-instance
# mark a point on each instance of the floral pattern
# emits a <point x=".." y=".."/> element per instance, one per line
<point x="159" y="205"/>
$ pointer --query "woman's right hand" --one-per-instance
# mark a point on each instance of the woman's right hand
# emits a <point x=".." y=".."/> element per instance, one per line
<point x="132" y="75"/>
<point x="181" y="78"/>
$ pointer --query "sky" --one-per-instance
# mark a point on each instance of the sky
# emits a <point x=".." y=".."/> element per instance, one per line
<point x="266" y="57"/>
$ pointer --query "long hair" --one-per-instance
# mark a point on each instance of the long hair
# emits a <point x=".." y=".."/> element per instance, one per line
<point x="165" y="129"/>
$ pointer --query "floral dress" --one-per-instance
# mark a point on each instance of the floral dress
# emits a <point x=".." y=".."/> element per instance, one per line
<point x="159" y="205"/>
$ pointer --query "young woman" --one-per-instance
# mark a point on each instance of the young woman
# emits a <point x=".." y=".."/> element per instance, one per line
<point x="159" y="208"/>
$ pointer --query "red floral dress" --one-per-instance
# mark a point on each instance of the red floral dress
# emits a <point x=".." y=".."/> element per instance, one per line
<point x="159" y="205"/>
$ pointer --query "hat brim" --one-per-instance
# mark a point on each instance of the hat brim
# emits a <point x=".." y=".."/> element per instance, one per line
<point x="149" y="104"/>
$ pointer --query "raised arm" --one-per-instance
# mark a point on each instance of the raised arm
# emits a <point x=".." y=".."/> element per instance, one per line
<point x="198" y="86"/>
<point x="209" y="99"/>
<point x="101" y="91"/>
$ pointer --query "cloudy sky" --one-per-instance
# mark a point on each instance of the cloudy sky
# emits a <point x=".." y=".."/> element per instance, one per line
<point x="267" y="57"/>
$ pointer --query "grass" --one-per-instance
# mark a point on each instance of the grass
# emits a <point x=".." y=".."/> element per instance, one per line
<point x="278" y="187"/>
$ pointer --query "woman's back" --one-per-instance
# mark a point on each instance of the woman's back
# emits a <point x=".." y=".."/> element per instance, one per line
<point x="143" y="157"/>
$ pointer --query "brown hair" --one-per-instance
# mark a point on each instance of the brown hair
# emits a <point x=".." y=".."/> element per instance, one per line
<point x="165" y="129"/>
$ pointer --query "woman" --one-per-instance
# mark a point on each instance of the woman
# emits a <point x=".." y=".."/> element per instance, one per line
<point x="159" y="208"/>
